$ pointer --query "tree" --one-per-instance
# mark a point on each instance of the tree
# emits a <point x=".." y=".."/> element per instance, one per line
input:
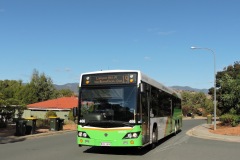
<point x="229" y="95"/>
<point x="10" y="89"/>
<point x="39" y="89"/>
<point x="193" y="102"/>
<point x="64" y="93"/>
<point x="10" y="100"/>
<point x="228" y="89"/>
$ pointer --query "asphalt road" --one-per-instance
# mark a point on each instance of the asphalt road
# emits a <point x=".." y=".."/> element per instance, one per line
<point x="64" y="147"/>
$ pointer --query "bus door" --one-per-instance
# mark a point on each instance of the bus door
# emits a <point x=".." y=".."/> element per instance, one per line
<point x="145" y="101"/>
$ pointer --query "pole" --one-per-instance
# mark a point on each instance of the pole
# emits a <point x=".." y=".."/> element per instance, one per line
<point x="214" y="101"/>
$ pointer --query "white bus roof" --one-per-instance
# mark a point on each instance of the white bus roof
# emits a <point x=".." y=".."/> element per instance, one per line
<point x="141" y="77"/>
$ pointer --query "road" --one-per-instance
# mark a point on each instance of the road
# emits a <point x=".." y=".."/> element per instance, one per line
<point x="64" y="147"/>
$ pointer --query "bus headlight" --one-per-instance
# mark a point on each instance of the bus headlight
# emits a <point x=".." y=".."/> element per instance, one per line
<point x="135" y="135"/>
<point x="80" y="134"/>
<point x="83" y="134"/>
<point x="131" y="135"/>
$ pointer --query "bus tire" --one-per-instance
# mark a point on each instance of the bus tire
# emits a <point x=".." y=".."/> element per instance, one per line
<point x="176" y="128"/>
<point x="154" y="138"/>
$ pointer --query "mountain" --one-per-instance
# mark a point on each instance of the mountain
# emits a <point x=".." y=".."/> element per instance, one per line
<point x="187" y="88"/>
<point x="74" y="88"/>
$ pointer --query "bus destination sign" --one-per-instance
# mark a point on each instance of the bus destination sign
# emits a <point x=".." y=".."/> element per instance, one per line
<point x="117" y="78"/>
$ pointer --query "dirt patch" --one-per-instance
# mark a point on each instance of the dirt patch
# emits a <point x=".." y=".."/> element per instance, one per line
<point x="226" y="130"/>
<point x="70" y="127"/>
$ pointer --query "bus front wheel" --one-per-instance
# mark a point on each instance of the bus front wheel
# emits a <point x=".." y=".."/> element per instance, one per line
<point x="154" y="138"/>
<point x="176" y="128"/>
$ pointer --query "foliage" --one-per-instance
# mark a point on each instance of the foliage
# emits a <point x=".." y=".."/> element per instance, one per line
<point x="186" y="110"/>
<point x="193" y="102"/>
<point x="230" y="94"/>
<point x="228" y="89"/>
<point x="14" y="95"/>
<point x="9" y="102"/>
<point x="70" y="115"/>
<point x="64" y="93"/>
<point x="42" y="123"/>
<point x="39" y="89"/>
<point x="10" y="89"/>
<point x="50" y="114"/>
<point x="229" y="119"/>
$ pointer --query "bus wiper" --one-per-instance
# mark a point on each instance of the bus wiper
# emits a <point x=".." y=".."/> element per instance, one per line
<point x="126" y="124"/>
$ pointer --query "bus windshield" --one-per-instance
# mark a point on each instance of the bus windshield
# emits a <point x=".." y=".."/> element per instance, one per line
<point x="108" y="104"/>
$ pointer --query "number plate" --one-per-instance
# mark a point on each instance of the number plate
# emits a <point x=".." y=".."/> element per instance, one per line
<point x="105" y="144"/>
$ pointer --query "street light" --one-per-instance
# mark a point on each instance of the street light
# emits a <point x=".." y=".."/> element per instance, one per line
<point x="214" y="58"/>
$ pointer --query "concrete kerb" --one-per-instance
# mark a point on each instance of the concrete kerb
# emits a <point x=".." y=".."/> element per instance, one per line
<point x="12" y="139"/>
<point x="202" y="131"/>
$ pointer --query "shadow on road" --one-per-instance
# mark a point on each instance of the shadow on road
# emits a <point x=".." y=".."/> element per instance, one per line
<point x="11" y="140"/>
<point x="125" y="150"/>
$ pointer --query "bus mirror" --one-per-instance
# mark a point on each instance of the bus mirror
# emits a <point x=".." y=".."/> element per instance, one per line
<point x="75" y="112"/>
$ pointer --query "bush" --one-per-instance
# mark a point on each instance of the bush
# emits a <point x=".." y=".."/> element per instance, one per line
<point x="229" y="119"/>
<point x="51" y="114"/>
<point x="70" y="116"/>
<point x="42" y="123"/>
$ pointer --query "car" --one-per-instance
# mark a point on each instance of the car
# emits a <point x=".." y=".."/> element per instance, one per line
<point x="189" y="114"/>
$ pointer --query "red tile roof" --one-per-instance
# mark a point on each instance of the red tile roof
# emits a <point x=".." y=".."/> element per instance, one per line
<point x="59" y="103"/>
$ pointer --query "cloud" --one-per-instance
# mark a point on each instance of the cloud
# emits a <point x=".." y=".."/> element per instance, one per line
<point x="136" y="40"/>
<point x="147" y="58"/>
<point x="67" y="70"/>
<point x="166" y="33"/>
<point x="63" y="70"/>
<point x="115" y="60"/>
<point x="153" y="29"/>
<point x="159" y="32"/>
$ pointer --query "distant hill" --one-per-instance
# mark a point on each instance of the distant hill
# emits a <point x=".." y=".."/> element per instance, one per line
<point x="74" y="88"/>
<point x="187" y="88"/>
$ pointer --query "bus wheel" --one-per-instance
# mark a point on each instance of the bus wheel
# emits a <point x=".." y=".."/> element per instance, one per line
<point x="176" y="129"/>
<point x="154" y="138"/>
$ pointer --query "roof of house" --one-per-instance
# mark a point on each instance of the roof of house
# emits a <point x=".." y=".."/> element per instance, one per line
<point x="64" y="103"/>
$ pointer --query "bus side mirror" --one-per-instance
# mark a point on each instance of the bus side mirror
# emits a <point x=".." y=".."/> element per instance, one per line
<point x="75" y="112"/>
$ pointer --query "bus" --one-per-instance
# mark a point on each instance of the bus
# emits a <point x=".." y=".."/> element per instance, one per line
<point x="125" y="108"/>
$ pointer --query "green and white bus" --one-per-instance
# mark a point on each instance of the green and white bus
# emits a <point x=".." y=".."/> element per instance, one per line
<point x="125" y="108"/>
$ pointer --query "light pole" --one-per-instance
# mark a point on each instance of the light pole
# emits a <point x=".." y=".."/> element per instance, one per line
<point x="214" y="101"/>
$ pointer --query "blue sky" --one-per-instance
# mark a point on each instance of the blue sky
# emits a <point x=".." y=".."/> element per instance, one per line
<point x="64" y="38"/>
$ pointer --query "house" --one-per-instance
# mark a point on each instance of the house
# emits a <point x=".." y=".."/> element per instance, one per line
<point x="61" y="106"/>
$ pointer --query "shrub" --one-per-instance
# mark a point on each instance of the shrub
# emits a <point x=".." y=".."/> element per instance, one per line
<point x="51" y="114"/>
<point x="42" y="123"/>
<point x="229" y="119"/>
<point x="70" y="116"/>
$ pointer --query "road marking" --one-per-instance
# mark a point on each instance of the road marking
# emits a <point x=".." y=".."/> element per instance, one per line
<point x="183" y="139"/>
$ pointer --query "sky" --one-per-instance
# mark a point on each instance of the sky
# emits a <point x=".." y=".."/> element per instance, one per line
<point x="64" y="38"/>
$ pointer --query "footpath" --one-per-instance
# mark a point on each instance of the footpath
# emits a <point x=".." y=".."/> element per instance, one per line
<point x="8" y="135"/>
<point x="202" y="131"/>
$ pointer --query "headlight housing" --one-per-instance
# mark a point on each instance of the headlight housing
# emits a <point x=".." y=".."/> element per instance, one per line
<point x="131" y="135"/>
<point x="83" y="134"/>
